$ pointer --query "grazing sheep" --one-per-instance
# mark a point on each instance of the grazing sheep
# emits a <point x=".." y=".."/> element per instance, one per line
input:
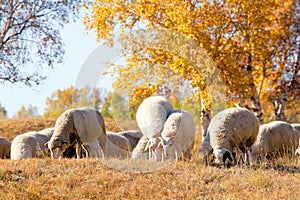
<point x="117" y="146"/>
<point x="47" y="131"/>
<point x="297" y="128"/>
<point x="4" y="148"/>
<point x="132" y="136"/>
<point x="231" y="129"/>
<point x="29" y="145"/>
<point x="140" y="151"/>
<point x="82" y="125"/>
<point x="178" y="135"/>
<point x="152" y="114"/>
<point x="274" y="139"/>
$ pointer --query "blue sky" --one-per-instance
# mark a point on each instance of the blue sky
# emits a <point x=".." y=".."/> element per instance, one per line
<point x="79" y="47"/>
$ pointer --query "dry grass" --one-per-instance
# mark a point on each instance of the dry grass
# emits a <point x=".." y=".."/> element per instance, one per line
<point x="93" y="179"/>
<point x="10" y="128"/>
<point x="88" y="179"/>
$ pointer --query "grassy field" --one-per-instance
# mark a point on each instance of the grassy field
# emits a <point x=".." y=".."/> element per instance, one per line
<point x="95" y="179"/>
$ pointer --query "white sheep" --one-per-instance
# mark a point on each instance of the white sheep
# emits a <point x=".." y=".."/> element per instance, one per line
<point x="47" y="131"/>
<point x="84" y="124"/>
<point x="4" y="148"/>
<point x="178" y="135"/>
<point x="297" y="128"/>
<point x="231" y="129"/>
<point x="133" y="136"/>
<point x="29" y="145"/>
<point x="152" y="114"/>
<point x="117" y="146"/>
<point x="276" y="138"/>
<point x="140" y="151"/>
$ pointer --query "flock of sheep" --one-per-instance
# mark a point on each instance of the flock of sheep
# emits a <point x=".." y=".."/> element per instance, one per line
<point x="233" y="135"/>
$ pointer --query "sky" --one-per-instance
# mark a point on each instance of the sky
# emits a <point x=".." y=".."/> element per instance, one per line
<point x="84" y="64"/>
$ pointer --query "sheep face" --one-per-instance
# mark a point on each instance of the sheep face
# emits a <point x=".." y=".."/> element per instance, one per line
<point x="154" y="147"/>
<point x="222" y="155"/>
<point x="170" y="148"/>
<point x="57" y="147"/>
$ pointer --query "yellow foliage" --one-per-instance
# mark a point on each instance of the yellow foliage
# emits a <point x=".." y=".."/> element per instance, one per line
<point x="173" y="42"/>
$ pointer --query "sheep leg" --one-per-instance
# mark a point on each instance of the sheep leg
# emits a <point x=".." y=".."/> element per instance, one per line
<point x="85" y="150"/>
<point x="78" y="150"/>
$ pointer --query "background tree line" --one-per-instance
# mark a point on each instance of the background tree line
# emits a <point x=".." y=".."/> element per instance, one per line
<point x="252" y="46"/>
<point x="116" y="105"/>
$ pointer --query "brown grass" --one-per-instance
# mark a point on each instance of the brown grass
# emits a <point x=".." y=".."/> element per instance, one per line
<point x="93" y="179"/>
<point x="10" y="128"/>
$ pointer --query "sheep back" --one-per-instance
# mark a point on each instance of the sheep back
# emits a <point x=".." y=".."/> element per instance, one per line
<point x="181" y="125"/>
<point x="87" y="125"/>
<point x="152" y="114"/>
<point x="139" y="152"/>
<point x="117" y="146"/>
<point x="133" y="136"/>
<point x="275" y="138"/>
<point x="47" y="131"/>
<point x="5" y="146"/>
<point x="233" y="127"/>
<point x="28" y="145"/>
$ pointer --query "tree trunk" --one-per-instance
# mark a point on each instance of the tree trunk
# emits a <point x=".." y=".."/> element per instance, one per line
<point x="205" y="118"/>
<point x="256" y="108"/>
<point x="279" y="108"/>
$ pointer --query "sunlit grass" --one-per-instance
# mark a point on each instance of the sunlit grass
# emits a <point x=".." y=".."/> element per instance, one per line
<point x="136" y="179"/>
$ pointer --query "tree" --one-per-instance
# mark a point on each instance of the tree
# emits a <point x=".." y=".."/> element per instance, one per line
<point x="30" y="111"/>
<point x="3" y="112"/>
<point x="242" y="37"/>
<point x="285" y="91"/>
<point x="62" y="100"/>
<point x="30" y="36"/>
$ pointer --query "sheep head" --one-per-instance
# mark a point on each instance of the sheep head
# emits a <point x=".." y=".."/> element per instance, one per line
<point x="170" y="147"/>
<point x="57" y="147"/>
<point x="222" y="155"/>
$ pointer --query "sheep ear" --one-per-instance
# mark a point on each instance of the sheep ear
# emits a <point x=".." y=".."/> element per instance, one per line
<point x="227" y="155"/>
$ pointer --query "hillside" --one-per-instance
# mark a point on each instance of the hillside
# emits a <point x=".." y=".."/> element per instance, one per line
<point x="112" y="179"/>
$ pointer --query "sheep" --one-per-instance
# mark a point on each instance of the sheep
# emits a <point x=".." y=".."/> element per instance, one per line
<point x="140" y="151"/>
<point x="152" y="114"/>
<point x="297" y="128"/>
<point x="178" y="135"/>
<point x="29" y="145"/>
<point x="273" y="140"/>
<point x="4" y="148"/>
<point x="117" y="146"/>
<point x="133" y="136"/>
<point x="82" y="125"/>
<point x="47" y="131"/>
<point x="229" y="130"/>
